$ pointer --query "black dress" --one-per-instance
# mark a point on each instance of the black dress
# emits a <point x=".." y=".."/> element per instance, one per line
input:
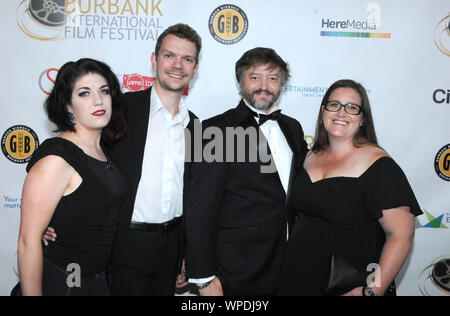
<point x="340" y="216"/>
<point x="85" y="222"/>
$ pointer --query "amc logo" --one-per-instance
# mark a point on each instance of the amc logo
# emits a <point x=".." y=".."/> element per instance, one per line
<point x="136" y="82"/>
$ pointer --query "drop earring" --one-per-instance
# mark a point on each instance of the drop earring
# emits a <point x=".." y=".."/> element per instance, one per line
<point x="71" y="117"/>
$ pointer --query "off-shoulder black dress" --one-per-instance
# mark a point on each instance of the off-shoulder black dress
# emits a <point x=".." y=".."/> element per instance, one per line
<point x="340" y="216"/>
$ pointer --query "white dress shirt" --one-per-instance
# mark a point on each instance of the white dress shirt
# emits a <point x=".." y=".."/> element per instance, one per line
<point x="159" y="196"/>
<point x="281" y="151"/>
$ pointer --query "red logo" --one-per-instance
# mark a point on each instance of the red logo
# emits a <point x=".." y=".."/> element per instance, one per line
<point x="47" y="80"/>
<point x="136" y="82"/>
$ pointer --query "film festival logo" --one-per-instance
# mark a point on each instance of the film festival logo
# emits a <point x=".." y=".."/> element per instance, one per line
<point x="435" y="278"/>
<point x="228" y="24"/>
<point x="442" y="35"/>
<point x="51" y="20"/>
<point x="19" y="143"/>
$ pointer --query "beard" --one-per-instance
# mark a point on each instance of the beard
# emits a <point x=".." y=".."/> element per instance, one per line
<point x="249" y="96"/>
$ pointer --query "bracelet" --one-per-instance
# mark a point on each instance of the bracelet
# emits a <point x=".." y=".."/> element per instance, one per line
<point x="369" y="290"/>
<point x="202" y="286"/>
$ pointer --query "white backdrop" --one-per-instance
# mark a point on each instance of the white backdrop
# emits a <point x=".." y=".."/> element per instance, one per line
<point x="404" y="64"/>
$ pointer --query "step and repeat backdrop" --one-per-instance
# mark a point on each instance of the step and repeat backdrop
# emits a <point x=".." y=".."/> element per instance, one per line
<point x="399" y="50"/>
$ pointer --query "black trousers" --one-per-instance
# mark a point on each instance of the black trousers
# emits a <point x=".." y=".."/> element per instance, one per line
<point x="147" y="265"/>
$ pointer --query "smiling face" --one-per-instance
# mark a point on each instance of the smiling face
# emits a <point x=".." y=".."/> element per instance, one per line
<point x="175" y="65"/>
<point x="91" y="102"/>
<point x="261" y="86"/>
<point x="341" y="124"/>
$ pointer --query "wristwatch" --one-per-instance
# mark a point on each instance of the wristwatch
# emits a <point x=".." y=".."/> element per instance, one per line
<point x="369" y="291"/>
<point x="202" y="286"/>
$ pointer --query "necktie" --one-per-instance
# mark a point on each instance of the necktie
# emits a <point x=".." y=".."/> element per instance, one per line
<point x="275" y="116"/>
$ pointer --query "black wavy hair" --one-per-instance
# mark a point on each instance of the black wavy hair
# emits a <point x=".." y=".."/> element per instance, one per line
<point x="61" y="96"/>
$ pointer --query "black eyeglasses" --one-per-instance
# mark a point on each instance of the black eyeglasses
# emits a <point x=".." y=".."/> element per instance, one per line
<point x="352" y="109"/>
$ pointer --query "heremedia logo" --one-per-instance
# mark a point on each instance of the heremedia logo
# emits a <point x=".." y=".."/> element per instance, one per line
<point x="356" y="27"/>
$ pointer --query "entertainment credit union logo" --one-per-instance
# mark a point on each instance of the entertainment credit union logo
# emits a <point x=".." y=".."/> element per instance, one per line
<point x="436" y="222"/>
<point x="136" y="82"/>
<point x="442" y="163"/>
<point x="442" y="35"/>
<point x="228" y="24"/>
<point x="19" y="143"/>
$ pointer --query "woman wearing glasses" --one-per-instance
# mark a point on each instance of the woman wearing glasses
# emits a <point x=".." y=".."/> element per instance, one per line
<point x="352" y="204"/>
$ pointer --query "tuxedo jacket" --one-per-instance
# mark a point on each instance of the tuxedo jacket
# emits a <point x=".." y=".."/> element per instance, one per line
<point x="236" y="218"/>
<point x="128" y="154"/>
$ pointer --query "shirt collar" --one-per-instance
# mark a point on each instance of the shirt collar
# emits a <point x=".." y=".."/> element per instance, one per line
<point x="273" y="109"/>
<point x="156" y="106"/>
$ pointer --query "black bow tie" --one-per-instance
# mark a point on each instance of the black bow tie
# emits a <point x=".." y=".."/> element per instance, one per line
<point x="275" y="116"/>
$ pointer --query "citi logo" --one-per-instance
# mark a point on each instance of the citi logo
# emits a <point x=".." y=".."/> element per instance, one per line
<point x="441" y="96"/>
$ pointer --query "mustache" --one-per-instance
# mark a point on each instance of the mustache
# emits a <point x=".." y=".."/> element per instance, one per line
<point x="263" y="91"/>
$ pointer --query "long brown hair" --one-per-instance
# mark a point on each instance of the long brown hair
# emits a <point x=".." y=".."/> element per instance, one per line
<point x="366" y="133"/>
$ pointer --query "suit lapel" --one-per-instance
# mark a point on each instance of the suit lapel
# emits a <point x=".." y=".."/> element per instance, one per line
<point x="141" y="128"/>
<point x="290" y="138"/>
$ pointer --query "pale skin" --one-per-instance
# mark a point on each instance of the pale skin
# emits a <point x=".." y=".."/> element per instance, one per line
<point x="52" y="178"/>
<point x="261" y="87"/>
<point x="175" y="67"/>
<point x="343" y="159"/>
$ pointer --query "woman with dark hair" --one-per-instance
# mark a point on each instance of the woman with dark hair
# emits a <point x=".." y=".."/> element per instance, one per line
<point x="352" y="204"/>
<point x="73" y="187"/>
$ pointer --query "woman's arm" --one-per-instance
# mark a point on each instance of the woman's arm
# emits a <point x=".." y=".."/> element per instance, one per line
<point x="44" y="186"/>
<point x="398" y="224"/>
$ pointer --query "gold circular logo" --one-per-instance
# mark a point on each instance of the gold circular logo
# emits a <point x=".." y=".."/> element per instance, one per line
<point x="442" y="163"/>
<point x="19" y="143"/>
<point x="228" y="24"/>
<point x="442" y="35"/>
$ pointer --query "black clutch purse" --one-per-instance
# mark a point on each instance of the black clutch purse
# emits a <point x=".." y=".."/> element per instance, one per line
<point x="344" y="277"/>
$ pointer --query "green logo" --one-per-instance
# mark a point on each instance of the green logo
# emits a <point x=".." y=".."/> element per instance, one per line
<point x="435" y="222"/>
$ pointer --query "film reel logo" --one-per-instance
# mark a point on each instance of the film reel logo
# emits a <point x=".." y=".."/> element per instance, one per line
<point x="435" y="279"/>
<point x="442" y="35"/>
<point x="228" y="24"/>
<point x="42" y="19"/>
<point x="19" y="143"/>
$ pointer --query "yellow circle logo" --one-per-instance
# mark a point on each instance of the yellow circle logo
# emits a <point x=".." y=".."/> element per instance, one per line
<point x="442" y="163"/>
<point x="19" y="143"/>
<point x="228" y="24"/>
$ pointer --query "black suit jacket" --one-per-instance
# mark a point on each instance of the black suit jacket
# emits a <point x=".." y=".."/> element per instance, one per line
<point x="128" y="155"/>
<point x="236" y="215"/>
